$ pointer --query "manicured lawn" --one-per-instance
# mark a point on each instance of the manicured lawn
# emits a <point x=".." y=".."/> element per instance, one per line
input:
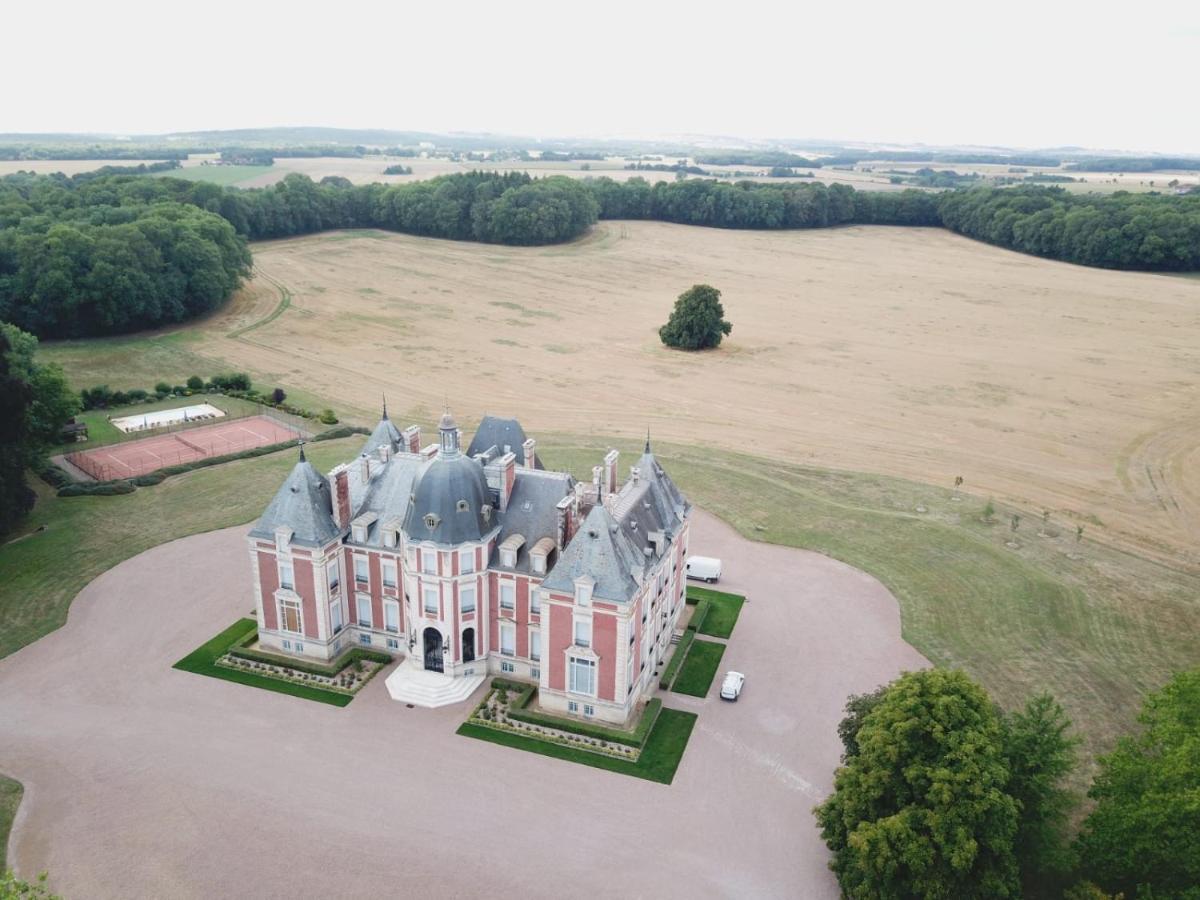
<point x="699" y="669"/>
<point x="85" y="536"/>
<point x="723" y="610"/>
<point x="202" y="661"/>
<point x="658" y="762"/>
<point x="10" y="799"/>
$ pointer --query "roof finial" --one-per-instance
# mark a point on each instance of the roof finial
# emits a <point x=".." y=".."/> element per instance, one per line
<point x="385" y="406"/>
<point x="647" y="438"/>
<point x="302" y="457"/>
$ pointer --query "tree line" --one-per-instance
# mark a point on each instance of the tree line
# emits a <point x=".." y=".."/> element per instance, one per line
<point x="106" y="253"/>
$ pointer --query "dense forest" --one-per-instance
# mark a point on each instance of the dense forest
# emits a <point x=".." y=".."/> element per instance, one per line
<point x="107" y="253"/>
<point x="1133" y="164"/>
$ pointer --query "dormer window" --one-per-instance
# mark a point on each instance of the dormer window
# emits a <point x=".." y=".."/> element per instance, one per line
<point x="486" y="512"/>
<point x="432" y="521"/>
<point x="283" y="537"/>
<point x="359" y="534"/>
<point x="463" y="506"/>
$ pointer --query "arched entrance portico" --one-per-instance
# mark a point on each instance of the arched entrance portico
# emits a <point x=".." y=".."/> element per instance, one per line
<point x="468" y="645"/>
<point x="433" y="650"/>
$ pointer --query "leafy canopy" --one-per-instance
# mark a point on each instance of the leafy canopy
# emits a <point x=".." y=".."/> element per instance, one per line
<point x="698" y="320"/>
<point x="1145" y="828"/>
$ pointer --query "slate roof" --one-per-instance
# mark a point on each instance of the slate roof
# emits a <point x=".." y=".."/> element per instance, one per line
<point x="439" y="487"/>
<point x="388" y="492"/>
<point x="302" y="504"/>
<point x="385" y="434"/>
<point x="500" y="433"/>
<point x="532" y="511"/>
<point x="600" y="549"/>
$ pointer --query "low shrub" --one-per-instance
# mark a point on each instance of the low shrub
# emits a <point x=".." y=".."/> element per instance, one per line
<point x="525" y="692"/>
<point x="53" y="475"/>
<point x="352" y="658"/>
<point x="195" y="383"/>
<point x="327" y="417"/>
<point x="149" y="479"/>
<point x="332" y="434"/>
<point x="96" y="489"/>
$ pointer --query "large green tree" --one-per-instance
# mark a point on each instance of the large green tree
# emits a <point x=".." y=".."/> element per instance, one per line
<point x="1143" y="836"/>
<point x="52" y="403"/>
<point x="921" y="809"/>
<point x="16" y="498"/>
<point x="698" y="320"/>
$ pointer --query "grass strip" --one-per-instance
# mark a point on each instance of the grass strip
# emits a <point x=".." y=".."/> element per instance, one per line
<point x="677" y="657"/>
<point x="10" y="798"/>
<point x="723" y="611"/>
<point x="203" y="661"/>
<point x="699" y="669"/>
<point x="658" y="762"/>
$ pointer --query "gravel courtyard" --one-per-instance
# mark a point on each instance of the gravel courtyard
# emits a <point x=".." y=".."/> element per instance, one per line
<point x="144" y="781"/>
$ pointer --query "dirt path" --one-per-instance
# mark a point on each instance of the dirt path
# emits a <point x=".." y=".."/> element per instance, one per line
<point x="143" y="781"/>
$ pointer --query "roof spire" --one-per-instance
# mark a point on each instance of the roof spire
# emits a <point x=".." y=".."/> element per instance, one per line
<point x="647" y="438"/>
<point x="385" y="406"/>
<point x="302" y="457"/>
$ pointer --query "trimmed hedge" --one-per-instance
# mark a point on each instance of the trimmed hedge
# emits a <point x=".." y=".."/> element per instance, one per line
<point x="98" y="489"/>
<point x="699" y="615"/>
<point x="148" y="480"/>
<point x="681" y="651"/>
<point x="525" y="693"/>
<point x="53" y="475"/>
<point x="332" y="434"/>
<point x="331" y="670"/>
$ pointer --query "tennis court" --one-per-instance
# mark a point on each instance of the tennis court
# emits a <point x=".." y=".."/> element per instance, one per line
<point x="130" y="458"/>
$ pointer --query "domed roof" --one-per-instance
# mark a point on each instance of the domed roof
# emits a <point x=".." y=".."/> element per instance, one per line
<point x="451" y="503"/>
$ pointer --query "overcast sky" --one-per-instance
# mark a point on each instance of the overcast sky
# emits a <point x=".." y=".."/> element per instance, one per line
<point x="1057" y="72"/>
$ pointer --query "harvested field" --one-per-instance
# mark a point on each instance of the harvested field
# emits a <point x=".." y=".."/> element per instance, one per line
<point x="913" y="352"/>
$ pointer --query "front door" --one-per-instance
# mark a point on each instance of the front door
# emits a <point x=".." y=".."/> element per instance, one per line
<point x="433" y="650"/>
<point x="468" y="645"/>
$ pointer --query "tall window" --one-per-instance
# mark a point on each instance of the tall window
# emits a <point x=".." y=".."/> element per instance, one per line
<point x="289" y="615"/>
<point x="466" y="561"/>
<point x="360" y="569"/>
<point x="583" y="676"/>
<point x="535" y="644"/>
<point x="431" y="601"/>
<point x="508" y="595"/>
<point x="535" y="602"/>
<point x="583" y="633"/>
<point x="286" y="578"/>
<point x="389" y="573"/>
<point x="335" y="614"/>
<point x="429" y="562"/>
<point x="466" y="599"/>
<point x="364" y="612"/>
<point x="508" y="639"/>
<point x="332" y="575"/>
<point x="391" y="616"/>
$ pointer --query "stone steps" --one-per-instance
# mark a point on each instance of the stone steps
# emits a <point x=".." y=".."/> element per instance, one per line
<point x="429" y="689"/>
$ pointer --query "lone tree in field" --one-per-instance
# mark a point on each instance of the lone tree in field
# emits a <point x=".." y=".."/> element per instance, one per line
<point x="698" y="320"/>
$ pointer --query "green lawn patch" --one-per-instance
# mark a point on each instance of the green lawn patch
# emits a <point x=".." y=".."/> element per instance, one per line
<point x="10" y="799"/>
<point x="519" y="712"/>
<point x="677" y="657"/>
<point x="222" y="175"/>
<point x="699" y="669"/>
<point x="203" y="661"/>
<point x="660" y="755"/>
<point x="723" y="610"/>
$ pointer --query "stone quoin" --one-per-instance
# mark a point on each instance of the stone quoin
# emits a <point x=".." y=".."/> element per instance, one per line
<point x="477" y="562"/>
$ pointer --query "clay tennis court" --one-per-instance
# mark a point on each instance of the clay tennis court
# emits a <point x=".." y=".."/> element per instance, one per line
<point x="131" y="458"/>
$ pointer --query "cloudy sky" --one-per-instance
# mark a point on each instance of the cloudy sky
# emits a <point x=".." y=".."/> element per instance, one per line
<point x="1052" y="73"/>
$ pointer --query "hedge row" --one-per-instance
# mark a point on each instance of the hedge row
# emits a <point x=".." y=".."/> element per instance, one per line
<point x="526" y="692"/>
<point x="52" y="475"/>
<point x="699" y="614"/>
<point x="681" y="650"/>
<point x="349" y="658"/>
<point x="332" y="434"/>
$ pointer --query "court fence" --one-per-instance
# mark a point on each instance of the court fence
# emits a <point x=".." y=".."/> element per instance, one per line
<point x="188" y="450"/>
<point x="302" y="426"/>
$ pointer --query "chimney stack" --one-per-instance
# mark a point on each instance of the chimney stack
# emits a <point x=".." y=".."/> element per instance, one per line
<point x="508" y="477"/>
<point x="411" y="439"/>
<point x="530" y="447"/>
<point x="563" y="511"/>
<point x="339" y="480"/>
<point x="610" y="472"/>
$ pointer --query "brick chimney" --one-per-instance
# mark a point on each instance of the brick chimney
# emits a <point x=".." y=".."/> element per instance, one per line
<point x="562" y="529"/>
<point x="339" y="480"/>
<point x="508" y="478"/>
<point x="410" y="439"/>
<point x="610" y="473"/>
<point x="530" y="448"/>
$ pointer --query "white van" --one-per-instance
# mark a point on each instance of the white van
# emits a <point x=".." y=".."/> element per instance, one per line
<point x="703" y="568"/>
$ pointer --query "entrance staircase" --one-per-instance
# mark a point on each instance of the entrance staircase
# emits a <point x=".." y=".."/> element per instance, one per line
<point x="410" y="684"/>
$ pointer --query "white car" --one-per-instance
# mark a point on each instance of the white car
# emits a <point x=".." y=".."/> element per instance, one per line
<point x="703" y="568"/>
<point x="731" y="687"/>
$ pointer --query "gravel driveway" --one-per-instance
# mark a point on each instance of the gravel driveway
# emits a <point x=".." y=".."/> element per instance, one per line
<point x="143" y="781"/>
